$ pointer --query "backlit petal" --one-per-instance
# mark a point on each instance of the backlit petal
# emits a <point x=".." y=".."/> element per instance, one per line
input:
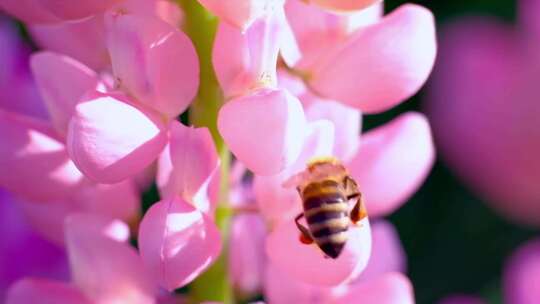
<point x="111" y="139"/>
<point x="177" y="242"/>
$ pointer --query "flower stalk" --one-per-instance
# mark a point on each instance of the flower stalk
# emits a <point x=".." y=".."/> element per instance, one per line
<point x="201" y="26"/>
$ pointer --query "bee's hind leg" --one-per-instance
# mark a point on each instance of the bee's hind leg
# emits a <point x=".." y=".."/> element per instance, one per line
<point x="305" y="236"/>
<point x="359" y="211"/>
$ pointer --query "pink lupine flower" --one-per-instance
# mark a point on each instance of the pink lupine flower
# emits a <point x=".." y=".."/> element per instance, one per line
<point x="522" y="275"/>
<point x="343" y="5"/>
<point x="241" y="13"/>
<point x="189" y="167"/>
<point x="394" y="56"/>
<point x="386" y="260"/>
<point x="493" y="147"/>
<point x="108" y="125"/>
<point x="118" y="277"/>
<point x="249" y="78"/>
<point x="84" y="40"/>
<point x="387" y="253"/>
<point x="35" y="150"/>
<point x="462" y="299"/>
<point x="22" y="251"/>
<point x="247" y="257"/>
<point x="389" y="288"/>
<point x="16" y="83"/>
<point x="177" y="236"/>
<point x="54" y="11"/>
<point x="177" y="242"/>
<point x="110" y="148"/>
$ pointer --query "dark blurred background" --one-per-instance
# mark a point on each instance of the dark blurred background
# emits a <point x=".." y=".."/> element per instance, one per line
<point x="454" y="242"/>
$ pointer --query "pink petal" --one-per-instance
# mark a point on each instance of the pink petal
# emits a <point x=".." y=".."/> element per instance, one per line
<point x="344" y="5"/>
<point x="169" y="12"/>
<point x="62" y="82"/>
<point x="277" y="115"/>
<point x="111" y="139"/>
<point x="522" y="275"/>
<point x="390" y="288"/>
<point x="395" y="57"/>
<point x="34" y="156"/>
<point x="240" y="13"/>
<point x="83" y="40"/>
<point x="177" y="242"/>
<point x="23" y="252"/>
<point x="277" y="202"/>
<point x="307" y="263"/>
<point x="194" y="164"/>
<point x="317" y="31"/>
<point x="247" y="258"/>
<point x="247" y="60"/>
<point x="107" y="271"/>
<point x="393" y="161"/>
<point x="92" y="224"/>
<point x="347" y="123"/>
<point x="462" y="299"/>
<point x="153" y="61"/>
<point x="71" y="10"/>
<point x="387" y="253"/>
<point x="279" y="288"/>
<point x="34" y="290"/>
<point x="16" y="81"/>
<point x="29" y="11"/>
<point x="120" y="201"/>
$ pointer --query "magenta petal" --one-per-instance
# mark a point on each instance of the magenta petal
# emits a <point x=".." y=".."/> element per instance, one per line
<point x="392" y="162"/>
<point x="82" y="40"/>
<point x="247" y="258"/>
<point x="387" y="253"/>
<point x="177" y="242"/>
<point x="43" y="291"/>
<point x="381" y="65"/>
<point x="32" y="155"/>
<point x="522" y="275"/>
<point x="344" y="5"/>
<point x="274" y="114"/>
<point x="307" y="263"/>
<point x="107" y="271"/>
<point x="153" y="61"/>
<point x="62" y="82"/>
<point x="194" y="165"/>
<point x="240" y="13"/>
<point x="71" y="10"/>
<point x="110" y="139"/>
<point x="29" y="11"/>
<point x="390" y="288"/>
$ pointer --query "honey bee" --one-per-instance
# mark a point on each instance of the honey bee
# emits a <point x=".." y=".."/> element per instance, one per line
<point x="326" y="188"/>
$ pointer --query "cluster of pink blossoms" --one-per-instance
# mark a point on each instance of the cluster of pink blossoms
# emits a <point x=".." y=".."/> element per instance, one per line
<point x="114" y="76"/>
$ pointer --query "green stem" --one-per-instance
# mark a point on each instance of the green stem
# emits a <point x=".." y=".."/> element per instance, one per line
<point x="201" y="26"/>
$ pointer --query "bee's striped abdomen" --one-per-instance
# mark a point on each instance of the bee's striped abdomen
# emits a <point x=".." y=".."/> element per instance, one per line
<point x="326" y="212"/>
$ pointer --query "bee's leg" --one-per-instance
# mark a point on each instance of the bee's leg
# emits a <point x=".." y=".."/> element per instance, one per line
<point x="305" y="236"/>
<point x="359" y="211"/>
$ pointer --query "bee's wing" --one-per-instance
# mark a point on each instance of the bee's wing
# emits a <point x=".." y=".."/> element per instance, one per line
<point x="294" y="180"/>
